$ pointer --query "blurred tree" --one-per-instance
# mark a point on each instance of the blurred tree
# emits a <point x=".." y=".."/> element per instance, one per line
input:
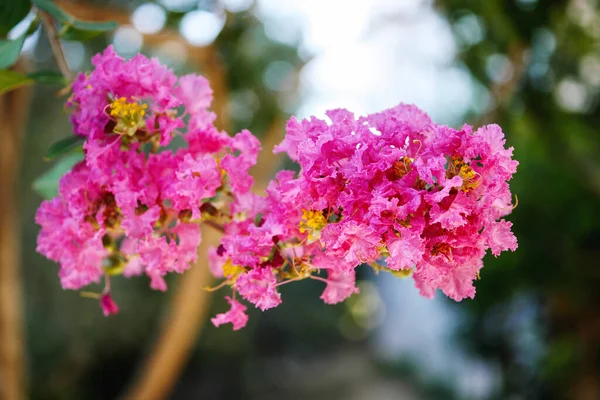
<point x="536" y="64"/>
<point x="537" y="312"/>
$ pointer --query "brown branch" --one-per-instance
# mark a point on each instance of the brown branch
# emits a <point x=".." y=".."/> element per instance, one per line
<point x="13" y="112"/>
<point x="187" y="314"/>
<point x="189" y="309"/>
<point x="267" y="160"/>
<point x="57" y="49"/>
<point x="215" y="226"/>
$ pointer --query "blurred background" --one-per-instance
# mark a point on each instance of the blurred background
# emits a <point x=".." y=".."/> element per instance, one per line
<point x="533" y="330"/>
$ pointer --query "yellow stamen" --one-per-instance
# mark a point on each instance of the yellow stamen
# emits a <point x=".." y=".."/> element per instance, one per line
<point x="457" y="166"/>
<point x="442" y="248"/>
<point x="232" y="272"/>
<point x="400" y="168"/>
<point x="312" y="222"/>
<point x="129" y="116"/>
<point x="469" y="178"/>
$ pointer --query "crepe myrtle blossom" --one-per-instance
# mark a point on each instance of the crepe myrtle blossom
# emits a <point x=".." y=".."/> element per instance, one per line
<point x="390" y="190"/>
<point x="133" y="206"/>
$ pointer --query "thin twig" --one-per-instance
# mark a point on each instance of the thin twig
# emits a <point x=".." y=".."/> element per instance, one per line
<point x="57" y="49"/>
<point x="216" y="226"/>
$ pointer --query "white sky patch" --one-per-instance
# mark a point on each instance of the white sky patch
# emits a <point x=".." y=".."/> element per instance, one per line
<point x="374" y="131"/>
<point x="372" y="55"/>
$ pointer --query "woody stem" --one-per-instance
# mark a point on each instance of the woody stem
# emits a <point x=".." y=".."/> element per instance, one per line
<point x="57" y="49"/>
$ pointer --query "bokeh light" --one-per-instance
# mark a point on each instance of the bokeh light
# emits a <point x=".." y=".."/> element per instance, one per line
<point x="127" y="41"/>
<point x="200" y="27"/>
<point x="149" y="18"/>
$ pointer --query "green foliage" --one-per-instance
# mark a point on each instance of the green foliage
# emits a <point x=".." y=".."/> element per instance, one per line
<point x="47" y="184"/>
<point x="49" y="77"/>
<point x="11" y="13"/>
<point x="91" y="30"/>
<point x="10" y="50"/>
<point x="65" y="146"/>
<point x="10" y="80"/>
<point x="55" y="12"/>
<point x="71" y="27"/>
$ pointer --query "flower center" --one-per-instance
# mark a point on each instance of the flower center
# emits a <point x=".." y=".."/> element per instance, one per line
<point x="312" y="222"/>
<point x="400" y="168"/>
<point x="442" y="248"/>
<point x="231" y="271"/>
<point x="129" y="116"/>
<point x="457" y="166"/>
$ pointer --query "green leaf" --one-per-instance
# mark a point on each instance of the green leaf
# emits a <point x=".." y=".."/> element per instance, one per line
<point x="50" y="77"/>
<point x="79" y="35"/>
<point x="10" y="80"/>
<point x="95" y="26"/>
<point x="65" y="146"/>
<point x="83" y="30"/>
<point x="11" y="13"/>
<point x="10" y="50"/>
<point x="56" y="12"/>
<point x="72" y="28"/>
<point x="47" y="184"/>
<point x="33" y="26"/>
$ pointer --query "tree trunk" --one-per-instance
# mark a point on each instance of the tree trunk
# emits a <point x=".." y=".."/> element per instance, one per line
<point x="13" y="112"/>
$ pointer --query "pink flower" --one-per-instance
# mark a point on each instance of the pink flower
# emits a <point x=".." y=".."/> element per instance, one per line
<point x="353" y="242"/>
<point x="68" y="233"/>
<point x="499" y="237"/>
<point x="237" y="167"/>
<point x="108" y="305"/>
<point x="216" y="261"/>
<point x="405" y="250"/>
<point x="195" y="179"/>
<point x="455" y="215"/>
<point x="235" y="316"/>
<point x="259" y="288"/>
<point x="194" y="92"/>
<point x="340" y="286"/>
<point x="390" y="185"/>
<point x="140" y="223"/>
<point x="458" y="284"/>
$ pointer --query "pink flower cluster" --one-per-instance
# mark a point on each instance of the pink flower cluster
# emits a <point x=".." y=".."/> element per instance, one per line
<point x="391" y="190"/>
<point x="132" y="206"/>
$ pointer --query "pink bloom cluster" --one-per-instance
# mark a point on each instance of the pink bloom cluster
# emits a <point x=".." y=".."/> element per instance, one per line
<point x="392" y="190"/>
<point x="132" y="206"/>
